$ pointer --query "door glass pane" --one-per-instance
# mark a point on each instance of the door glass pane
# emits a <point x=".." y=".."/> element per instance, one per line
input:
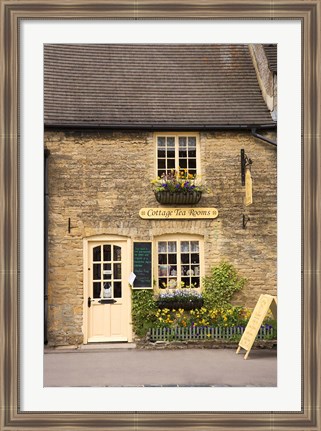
<point x="117" y="289"/>
<point x="96" y="290"/>
<point x="117" y="253"/>
<point x="97" y="271"/>
<point x="107" y="253"/>
<point x="107" y="272"/>
<point x="117" y="271"/>
<point x="107" y="293"/>
<point x="97" y="253"/>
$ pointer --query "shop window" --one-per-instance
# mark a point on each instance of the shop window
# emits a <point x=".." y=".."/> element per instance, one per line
<point x="177" y="151"/>
<point x="178" y="264"/>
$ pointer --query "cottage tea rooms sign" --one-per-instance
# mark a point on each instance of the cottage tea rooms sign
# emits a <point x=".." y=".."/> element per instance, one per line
<point x="178" y="213"/>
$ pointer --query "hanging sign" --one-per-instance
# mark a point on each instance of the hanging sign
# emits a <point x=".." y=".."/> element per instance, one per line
<point x="263" y="305"/>
<point x="248" y="188"/>
<point x="178" y="213"/>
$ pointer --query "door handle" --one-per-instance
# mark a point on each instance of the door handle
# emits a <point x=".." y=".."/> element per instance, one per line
<point x="89" y="302"/>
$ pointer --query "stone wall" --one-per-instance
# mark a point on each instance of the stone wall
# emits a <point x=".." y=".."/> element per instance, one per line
<point x="100" y="180"/>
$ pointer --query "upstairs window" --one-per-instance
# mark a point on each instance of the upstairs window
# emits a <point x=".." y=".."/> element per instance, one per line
<point x="177" y="151"/>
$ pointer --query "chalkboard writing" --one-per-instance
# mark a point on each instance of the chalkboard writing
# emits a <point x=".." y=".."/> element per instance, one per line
<point x="143" y="265"/>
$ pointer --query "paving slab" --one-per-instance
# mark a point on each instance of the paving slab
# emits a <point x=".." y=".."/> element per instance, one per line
<point x="120" y="367"/>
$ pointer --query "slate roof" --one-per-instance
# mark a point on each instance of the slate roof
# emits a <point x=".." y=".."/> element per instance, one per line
<point x="152" y="86"/>
<point x="271" y="55"/>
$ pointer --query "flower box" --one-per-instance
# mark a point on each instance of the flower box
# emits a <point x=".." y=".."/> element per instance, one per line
<point x="178" y="198"/>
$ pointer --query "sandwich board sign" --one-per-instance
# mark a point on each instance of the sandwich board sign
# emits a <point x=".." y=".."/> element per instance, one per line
<point x="263" y="305"/>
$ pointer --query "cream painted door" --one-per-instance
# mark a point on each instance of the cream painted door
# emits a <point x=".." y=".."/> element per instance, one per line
<point x="108" y="300"/>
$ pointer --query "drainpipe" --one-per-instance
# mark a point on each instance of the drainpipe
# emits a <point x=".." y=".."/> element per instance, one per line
<point x="46" y="202"/>
<point x="263" y="138"/>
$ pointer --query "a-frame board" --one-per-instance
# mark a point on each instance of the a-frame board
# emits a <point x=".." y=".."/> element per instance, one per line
<point x="263" y="305"/>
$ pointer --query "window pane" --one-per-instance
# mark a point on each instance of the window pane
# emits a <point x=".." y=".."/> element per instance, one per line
<point x="117" y="253"/>
<point x="117" y="289"/>
<point x="184" y="270"/>
<point x="162" y="258"/>
<point x="182" y="141"/>
<point x="161" y="163"/>
<point x="192" y="142"/>
<point x="195" y="258"/>
<point x="162" y="270"/>
<point x="195" y="246"/>
<point x="170" y="164"/>
<point x="196" y="270"/>
<point x="161" y="153"/>
<point x="173" y="270"/>
<point x="172" y="247"/>
<point x="96" y="290"/>
<point x="107" y="253"/>
<point x="117" y="271"/>
<point x="172" y="283"/>
<point x="97" y="271"/>
<point x="183" y="163"/>
<point x="162" y="247"/>
<point x="171" y="154"/>
<point x="185" y="282"/>
<point x="184" y="246"/>
<point x="185" y="258"/>
<point x="182" y="154"/>
<point x="162" y="284"/>
<point x="195" y="282"/>
<point x="172" y="258"/>
<point x="192" y="164"/>
<point x="97" y="253"/>
<point x="192" y="153"/>
<point x="161" y="141"/>
<point x="171" y="142"/>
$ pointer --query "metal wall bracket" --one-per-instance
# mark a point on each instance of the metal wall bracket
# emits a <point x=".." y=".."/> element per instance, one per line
<point x="246" y="219"/>
<point x="245" y="162"/>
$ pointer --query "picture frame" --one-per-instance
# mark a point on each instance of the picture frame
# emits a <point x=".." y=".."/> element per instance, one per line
<point x="11" y="416"/>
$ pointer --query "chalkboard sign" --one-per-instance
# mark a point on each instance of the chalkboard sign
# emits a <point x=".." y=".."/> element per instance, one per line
<point x="143" y="265"/>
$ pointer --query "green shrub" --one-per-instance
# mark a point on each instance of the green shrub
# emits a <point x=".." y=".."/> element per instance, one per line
<point x="220" y="286"/>
<point x="144" y="310"/>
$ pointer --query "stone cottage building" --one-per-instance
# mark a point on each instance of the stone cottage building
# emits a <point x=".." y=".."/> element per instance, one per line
<point x="117" y="116"/>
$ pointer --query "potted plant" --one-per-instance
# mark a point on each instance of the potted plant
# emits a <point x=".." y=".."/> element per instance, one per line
<point x="178" y="187"/>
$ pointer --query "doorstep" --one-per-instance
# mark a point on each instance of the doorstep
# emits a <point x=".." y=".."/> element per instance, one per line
<point x="92" y="347"/>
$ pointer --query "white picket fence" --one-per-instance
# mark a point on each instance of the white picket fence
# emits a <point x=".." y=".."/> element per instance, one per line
<point x="203" y="333"/>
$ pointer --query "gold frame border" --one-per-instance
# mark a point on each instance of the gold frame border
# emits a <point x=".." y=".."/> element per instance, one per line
<point x="11" y="12"/>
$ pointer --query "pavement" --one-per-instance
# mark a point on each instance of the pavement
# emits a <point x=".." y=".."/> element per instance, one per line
<point x="126" y="366"/>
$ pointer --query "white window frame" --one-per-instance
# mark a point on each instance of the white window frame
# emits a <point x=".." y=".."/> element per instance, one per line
<point x="179" y="238"/>
<point x="176" y="135"/>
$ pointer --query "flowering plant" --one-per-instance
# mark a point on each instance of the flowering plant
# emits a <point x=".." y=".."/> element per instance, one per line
<point x="187" y="299"/>
<point x="178" y="182"/>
